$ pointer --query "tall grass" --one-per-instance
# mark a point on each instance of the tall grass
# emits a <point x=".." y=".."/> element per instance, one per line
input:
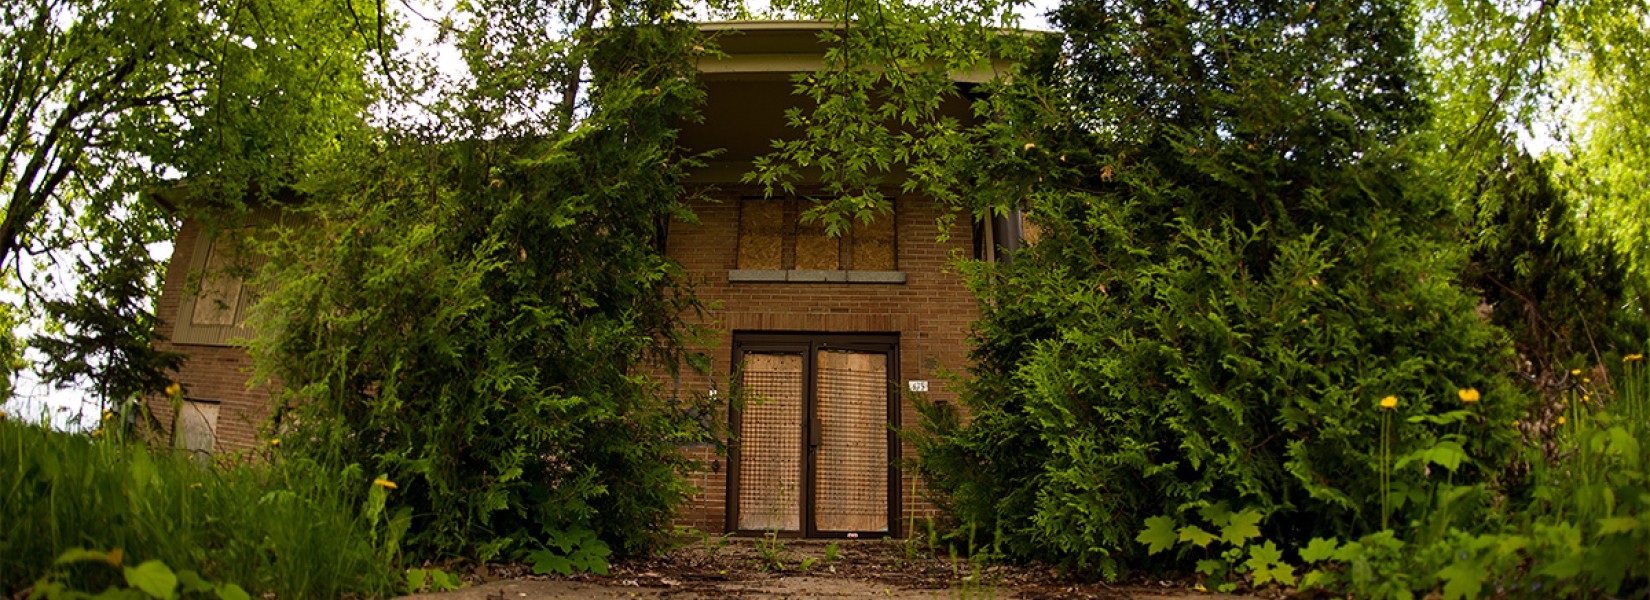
<point x="293" y="529"/>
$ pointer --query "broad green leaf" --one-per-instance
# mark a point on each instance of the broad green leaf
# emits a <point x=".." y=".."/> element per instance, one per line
<point x="546" y="562"/>
<point x="1242" y="526"/>
<point x="1609" y="525"/>
<point x="1196" y="535"/>
<point x="1462" y="579"/>
<point x="1319" y="550"/>
<point x="1210" y="566"/>
<point x="1158" y="536"/>
<point x="230" y="591"/>
<point x="153" y="577"/>
<point x="112" y="557"/>
<point x="1281" y="574"/>
<point x="1217" y="514"/>
<point x="1317" y="578"/>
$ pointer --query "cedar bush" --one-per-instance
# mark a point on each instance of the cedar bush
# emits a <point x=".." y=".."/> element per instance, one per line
<point x="473" y="318"/>
<point x="1238" y="260"/>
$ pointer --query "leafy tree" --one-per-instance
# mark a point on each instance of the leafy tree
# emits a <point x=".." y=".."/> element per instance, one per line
<point x="473" y="308"/>
<point x="1558" y="241"/>
<point x="102" y="99"/>
<point x="1239" y="260"/>
<point x="1563" y="300"/>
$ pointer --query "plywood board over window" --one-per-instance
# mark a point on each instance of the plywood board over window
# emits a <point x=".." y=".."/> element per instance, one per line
<point x="198" y="426"/>
<point x="772" y="236"/>
<point x="214" y="309"/>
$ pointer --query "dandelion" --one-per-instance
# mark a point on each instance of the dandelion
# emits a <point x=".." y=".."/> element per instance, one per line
<point x="1632" y="358"/>
<point x="1469" y="395"/>
<point x="1389" y="402"/>
<point x="174" y="389"/>
<point x="1575" y="371"/>
<point x="1516" y="423"/>
<point x="384" y="483"/>
<point x="274" y="441"/>
<point x="97" y="432"/>
<point x="1560" y="420"/>
<point x="195" y="486"/>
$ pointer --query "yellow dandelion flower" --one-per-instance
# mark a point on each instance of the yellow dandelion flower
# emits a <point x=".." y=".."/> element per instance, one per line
<point x="194" y="486"/>
<point x="1632" y="358"/>
<point x="1469" y="395"/>
<point x="1586" y="380"/>
<point x="1560" y="420"/>
<point x="97" y="432"/>
<point x="1575" y="371"/>
<point x="384" y="483"/>
<point x="174" y="389"/>
<point x="274" y="441"/>
<point x="1389" y="402"/>
<point x="1516" y="423"/>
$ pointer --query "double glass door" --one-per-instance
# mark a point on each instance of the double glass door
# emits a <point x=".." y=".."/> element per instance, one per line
<point x="814" y="442"/>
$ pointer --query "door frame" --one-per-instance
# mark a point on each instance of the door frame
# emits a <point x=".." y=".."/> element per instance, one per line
<point x="809" y="345"/>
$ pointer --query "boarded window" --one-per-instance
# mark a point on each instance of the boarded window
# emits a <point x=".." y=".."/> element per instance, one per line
<point x="219" y="300"/>
<point x="772" y="237"/>
<point x="217" y="297"/>
<point x="198" y="427"/>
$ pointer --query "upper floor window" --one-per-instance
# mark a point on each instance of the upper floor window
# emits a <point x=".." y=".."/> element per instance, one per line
<point x="772" y="237"/>
<point x="217" y="298"/>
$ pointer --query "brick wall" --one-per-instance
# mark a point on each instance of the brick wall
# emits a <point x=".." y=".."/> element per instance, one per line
<point x="209" y="373"/>
<point x="931" y="312"/>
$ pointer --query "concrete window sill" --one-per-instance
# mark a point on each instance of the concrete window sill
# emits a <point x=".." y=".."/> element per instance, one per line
<point x="812" y="276"/>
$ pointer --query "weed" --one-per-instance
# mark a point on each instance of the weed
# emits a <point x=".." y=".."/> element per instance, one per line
<point x="770" y="551"/>
<point x="289" y="527"/>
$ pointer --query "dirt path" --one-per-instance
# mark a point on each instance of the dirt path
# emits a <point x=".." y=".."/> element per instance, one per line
<point x="802" y="569"/>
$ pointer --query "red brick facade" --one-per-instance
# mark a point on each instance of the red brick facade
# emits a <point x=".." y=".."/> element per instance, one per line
<point x="930" y="312"/>
<point x="210" y="373"/>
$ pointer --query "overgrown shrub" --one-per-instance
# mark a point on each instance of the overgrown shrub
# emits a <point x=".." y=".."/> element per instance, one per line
<point x="1566" y="299"/>
<point x="475" y="317"/>
<point x="1237" y="264"/>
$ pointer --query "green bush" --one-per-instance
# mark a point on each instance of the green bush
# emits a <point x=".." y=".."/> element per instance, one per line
<point x="477" y="319"/>
<point x="288" y="527"/>
<point x="1233" y="271"/>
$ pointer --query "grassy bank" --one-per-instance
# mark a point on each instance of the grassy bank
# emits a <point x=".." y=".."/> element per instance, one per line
<point x="291" y="528"/>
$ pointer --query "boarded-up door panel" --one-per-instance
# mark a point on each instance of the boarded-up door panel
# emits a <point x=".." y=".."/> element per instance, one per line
<point x="770" y="430"/>
<point x="851" y="460"/>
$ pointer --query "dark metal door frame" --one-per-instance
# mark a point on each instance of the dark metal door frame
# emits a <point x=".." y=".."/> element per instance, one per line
<point x="809" y="345"/>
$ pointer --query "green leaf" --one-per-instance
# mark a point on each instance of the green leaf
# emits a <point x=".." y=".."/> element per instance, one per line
<point x="1216" y="514"/>
<point x="1196" y="535"/>
<point x="1243" y="525"/>
<point x="1318" y="578"/>
<point x="82" y="554"/>
<point x="1158" y="536"/>
<point x="546" y="562"/>
<point x="1609" y="525"/>
<point x="230" y="591"/>
<point x="1210" y="566"/>
<point x="1266" y="564"/>
<point x="153" y="577"/>
<point x="1319" y="550"/>
<point x="1462" y="579"/>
